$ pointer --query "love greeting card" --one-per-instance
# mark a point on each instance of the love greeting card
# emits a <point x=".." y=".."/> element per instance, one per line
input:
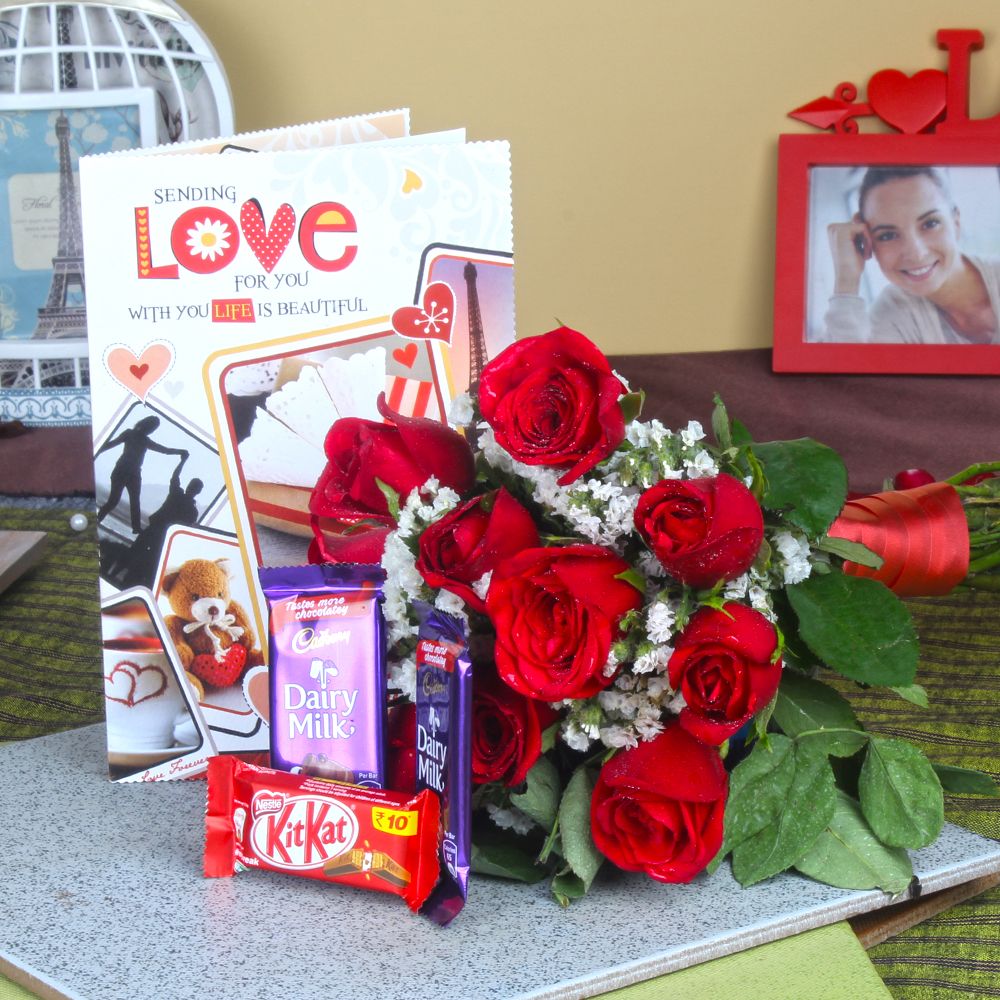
<point x="242" y="296"/>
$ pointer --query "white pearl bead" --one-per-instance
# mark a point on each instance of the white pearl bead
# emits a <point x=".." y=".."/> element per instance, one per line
<point x="78" y="522"/>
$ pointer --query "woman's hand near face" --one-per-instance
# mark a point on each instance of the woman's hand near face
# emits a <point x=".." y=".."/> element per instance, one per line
<point x="850" y="245"/>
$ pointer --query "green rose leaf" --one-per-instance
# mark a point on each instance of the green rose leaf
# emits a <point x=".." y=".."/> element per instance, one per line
<point x="963" y="781"/>
<point x="574" y="827"/>
<point x="852" y="551"/>
<point x="631" y="404"/>
<point x="634" y="577"/>
<point x="540" y="799"/>
<point x="801" y="817"/>
<point x="758" y="787"/>
<point x="505" y="860"/>
<point x="549" y="737"/>
<point x="900" y="794"/>
<point x="914" y="694"/>
<point x="566" y="886"/>
<point x="805" y="705"/>
<point x="806" y="480"/>
<point x="741" y="436"/>
<point x="848" y="855"/>
<point x="391" y="498"/>
<point x="721" y="427"/>
<point x="857" y="627"/>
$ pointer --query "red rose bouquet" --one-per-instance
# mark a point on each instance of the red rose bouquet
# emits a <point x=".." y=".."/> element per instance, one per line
<point x="652" y="614"/>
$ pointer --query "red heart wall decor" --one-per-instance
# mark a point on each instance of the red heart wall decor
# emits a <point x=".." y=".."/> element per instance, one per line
<point x="908" y="103"/>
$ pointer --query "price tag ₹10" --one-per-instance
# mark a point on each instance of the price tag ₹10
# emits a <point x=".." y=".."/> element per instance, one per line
<point x="401" y="822"/>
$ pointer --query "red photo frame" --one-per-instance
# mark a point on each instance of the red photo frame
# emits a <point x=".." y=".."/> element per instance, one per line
<point x="809" y="169"/>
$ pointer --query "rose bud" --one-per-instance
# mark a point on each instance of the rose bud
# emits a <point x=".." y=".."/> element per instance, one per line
<point x="401" y="748"/>
<point x="980" y="478"/>
<point x="910" y="478"/>
<point x="402" y="454"/>
<point x="554" y="400"/>
<point x="471" y="540"/>
<point x="556" y="613"/>
<point x="701" y="530"/>
<point x="506" y="729"/>
<point x="658" y="807"/>
<point x="722" y="665"/>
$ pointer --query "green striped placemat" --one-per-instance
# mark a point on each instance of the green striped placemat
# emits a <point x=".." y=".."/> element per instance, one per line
<point x="50" y="651"/>
<point x="955" y="955"/>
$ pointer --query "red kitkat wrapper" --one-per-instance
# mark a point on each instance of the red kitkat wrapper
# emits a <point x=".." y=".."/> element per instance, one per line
<point x="366" y="837"/>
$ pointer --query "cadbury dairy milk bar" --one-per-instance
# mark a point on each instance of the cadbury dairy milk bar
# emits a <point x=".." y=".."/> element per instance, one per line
<point x="327" y="670"/>
<point x="444" y="750"/>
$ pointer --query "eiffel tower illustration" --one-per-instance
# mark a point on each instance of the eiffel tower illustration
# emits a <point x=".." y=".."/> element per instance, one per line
<point x="65" y="313"/>
<point x="477" y="339"/>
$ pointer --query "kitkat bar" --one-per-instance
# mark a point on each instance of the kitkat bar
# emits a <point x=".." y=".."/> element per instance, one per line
<point x="366" y="837"/>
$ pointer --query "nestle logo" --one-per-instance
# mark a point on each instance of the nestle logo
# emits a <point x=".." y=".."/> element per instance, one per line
<point x="268" y="804"/>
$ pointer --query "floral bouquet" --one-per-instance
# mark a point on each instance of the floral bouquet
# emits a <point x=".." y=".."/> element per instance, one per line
<point x="652" y="614"/>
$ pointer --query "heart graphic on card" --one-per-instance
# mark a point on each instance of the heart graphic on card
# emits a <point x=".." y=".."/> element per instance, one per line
<point x="255" y="690"/>
<point x="406" y="356"/>
<point x="433" y="319"/>
<point x="130" y="685"/>
<point x="268" y="242"/>
<point x="908" y="103"/>
<point x="139" y="374"/>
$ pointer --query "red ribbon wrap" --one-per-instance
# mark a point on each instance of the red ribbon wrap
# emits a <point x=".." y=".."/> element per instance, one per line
<point x="921" y="534"/>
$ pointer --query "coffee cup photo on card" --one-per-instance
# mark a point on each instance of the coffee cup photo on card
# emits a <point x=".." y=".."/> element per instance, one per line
<point x="154" y="724"/>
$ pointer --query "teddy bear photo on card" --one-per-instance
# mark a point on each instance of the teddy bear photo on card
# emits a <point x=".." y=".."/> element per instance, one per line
<point x="202" y="594"/>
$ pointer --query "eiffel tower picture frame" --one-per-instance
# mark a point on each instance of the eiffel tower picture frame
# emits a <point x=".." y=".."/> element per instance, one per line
<point x="42" y="281"/>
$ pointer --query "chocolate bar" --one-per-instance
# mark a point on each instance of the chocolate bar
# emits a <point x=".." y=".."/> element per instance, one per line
<point x="258" y="817"/>
<point x="444" y="750"/>
<point x="327" y="670"/>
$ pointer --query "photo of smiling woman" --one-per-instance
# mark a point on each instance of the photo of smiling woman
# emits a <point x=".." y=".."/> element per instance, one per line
<point x="905" y="255"/>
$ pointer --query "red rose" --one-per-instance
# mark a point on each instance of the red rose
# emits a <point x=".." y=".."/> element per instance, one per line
<point x="701" y="530"/>
<point x="351" y="544"/>
<point x="401" y="748"/>
<point x="722" y="665"/>
<point x="553" y="400"/>
<point x="556" y="613"/>
<point x="506" y="729"/>
<point x="471" y="540"/>
<point x="403" y="454"/>
<point x="659" y="807"/>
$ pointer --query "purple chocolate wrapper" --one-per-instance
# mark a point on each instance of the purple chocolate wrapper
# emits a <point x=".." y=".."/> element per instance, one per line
<point x="327" y="670"/>
<point x="444" y="751"/>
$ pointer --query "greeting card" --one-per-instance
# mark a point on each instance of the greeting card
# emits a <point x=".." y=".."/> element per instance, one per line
<point x="241" y="302"/>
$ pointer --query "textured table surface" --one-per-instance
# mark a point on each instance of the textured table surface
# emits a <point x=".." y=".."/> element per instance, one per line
<point x="104" y="900"/>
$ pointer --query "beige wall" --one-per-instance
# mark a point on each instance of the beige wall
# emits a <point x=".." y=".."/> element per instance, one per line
<point x="643" y="131"/>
